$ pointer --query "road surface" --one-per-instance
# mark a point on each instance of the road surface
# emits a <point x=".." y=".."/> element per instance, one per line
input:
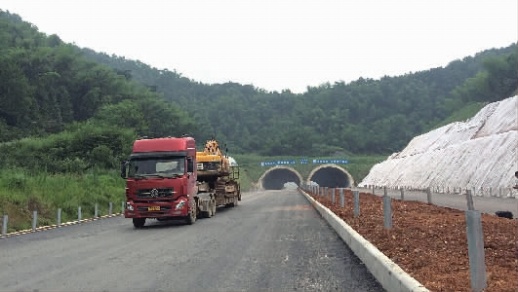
<point x="272" y="241"/>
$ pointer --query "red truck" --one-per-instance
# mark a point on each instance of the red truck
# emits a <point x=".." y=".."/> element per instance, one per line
<point x="161" y="178"/>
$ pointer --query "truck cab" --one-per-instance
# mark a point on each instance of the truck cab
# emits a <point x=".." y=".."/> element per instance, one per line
<point x="161" y="176"/>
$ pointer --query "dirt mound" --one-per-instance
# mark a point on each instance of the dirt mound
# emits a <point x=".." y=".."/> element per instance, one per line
<point x="430" y="242"/>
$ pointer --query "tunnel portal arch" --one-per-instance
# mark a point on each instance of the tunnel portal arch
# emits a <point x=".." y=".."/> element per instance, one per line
<point x="331" y="176"/>
<point x="275" y="178"/>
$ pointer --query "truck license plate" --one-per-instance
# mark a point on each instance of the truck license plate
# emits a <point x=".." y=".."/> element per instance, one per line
<point x="153" y="208"/>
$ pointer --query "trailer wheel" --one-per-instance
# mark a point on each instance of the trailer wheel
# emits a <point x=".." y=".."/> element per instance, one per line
<point x="214" y="207"/>
<point x="139" y="222"/>
<point x="191" y="218"/>
<point x="207" y="214"/>
<point x="234" y="203"/>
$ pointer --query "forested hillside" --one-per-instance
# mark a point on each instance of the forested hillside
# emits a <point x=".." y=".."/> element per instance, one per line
<point x="49" y="87"/>
<point x="78" y="113"/>
<point x="364" y="116"/>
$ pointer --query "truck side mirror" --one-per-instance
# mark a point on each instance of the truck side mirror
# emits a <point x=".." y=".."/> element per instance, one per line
<point x="123" y="168"/>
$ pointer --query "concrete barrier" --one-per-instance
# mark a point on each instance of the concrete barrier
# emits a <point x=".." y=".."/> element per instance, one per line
<point x="386" y="272"/>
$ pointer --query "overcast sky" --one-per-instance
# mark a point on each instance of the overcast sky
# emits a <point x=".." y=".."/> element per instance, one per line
<point x="279" y="44"/>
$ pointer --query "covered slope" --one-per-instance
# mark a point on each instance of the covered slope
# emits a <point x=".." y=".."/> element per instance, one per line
<point x="480" y="153"/>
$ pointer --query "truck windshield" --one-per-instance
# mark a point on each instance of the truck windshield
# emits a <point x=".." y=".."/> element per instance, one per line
<point x="162" y="166"/>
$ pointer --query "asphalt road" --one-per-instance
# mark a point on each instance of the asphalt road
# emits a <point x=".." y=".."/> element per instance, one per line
<point x="272" y="241"/>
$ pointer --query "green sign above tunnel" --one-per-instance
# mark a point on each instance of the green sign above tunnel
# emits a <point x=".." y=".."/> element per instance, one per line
<point x="330" y="161"/>
<point x="278" y="162"/>
<point x="304" y="161"/>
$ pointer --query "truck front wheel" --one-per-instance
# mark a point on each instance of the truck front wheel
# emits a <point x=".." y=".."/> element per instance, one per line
<point x="139" y="222"/>
<point x="191" y="218"/>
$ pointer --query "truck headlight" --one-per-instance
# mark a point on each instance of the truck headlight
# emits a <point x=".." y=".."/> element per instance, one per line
<point x="180" y="205"/>
<point x="129" y="206"/>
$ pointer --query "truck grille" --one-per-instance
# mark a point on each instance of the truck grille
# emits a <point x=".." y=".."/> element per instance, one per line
<point x="155" y="193"/>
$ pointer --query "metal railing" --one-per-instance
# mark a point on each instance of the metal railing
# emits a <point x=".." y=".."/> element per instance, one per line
<point x="80" y="218"/>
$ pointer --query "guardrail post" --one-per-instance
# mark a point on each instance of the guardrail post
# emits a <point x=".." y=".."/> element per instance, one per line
<point x="333" y="195"/>
<point x="58" y="221"/>
<point x="79" y="215"/>
<point x="110" y="209"/>
<point x="402" y="190"/>
<point x="429" y="195"/>
<point x="4" y="225"/>
<point x="96" y="210"/>
<point x="342" y="198"/>
<point x="356" y="203"/>
<point x="469" y="199"/>
<point x="477" y="265"/>
<point x="387" y="211"/>
<point x="34" y="220"/>
<point x="122" y="207"/>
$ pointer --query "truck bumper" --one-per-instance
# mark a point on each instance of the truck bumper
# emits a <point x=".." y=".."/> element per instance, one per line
<point x="155" y="210"/>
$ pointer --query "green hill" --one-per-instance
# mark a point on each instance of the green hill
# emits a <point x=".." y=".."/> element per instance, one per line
<point x="50" y="87"/>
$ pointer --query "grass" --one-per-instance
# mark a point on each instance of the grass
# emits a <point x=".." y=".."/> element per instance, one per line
<point x="22" y="192"/>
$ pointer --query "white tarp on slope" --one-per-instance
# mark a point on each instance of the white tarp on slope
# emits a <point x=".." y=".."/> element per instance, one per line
<point x="480" y="153"/>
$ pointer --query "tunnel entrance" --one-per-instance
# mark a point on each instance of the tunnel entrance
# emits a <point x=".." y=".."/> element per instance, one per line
<point x="276" y="178"/>
<point x="331" y="176"/>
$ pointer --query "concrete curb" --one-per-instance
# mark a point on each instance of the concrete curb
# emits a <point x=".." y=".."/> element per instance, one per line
<point x="44" y="228"/>
<point x="388" y="273"/>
